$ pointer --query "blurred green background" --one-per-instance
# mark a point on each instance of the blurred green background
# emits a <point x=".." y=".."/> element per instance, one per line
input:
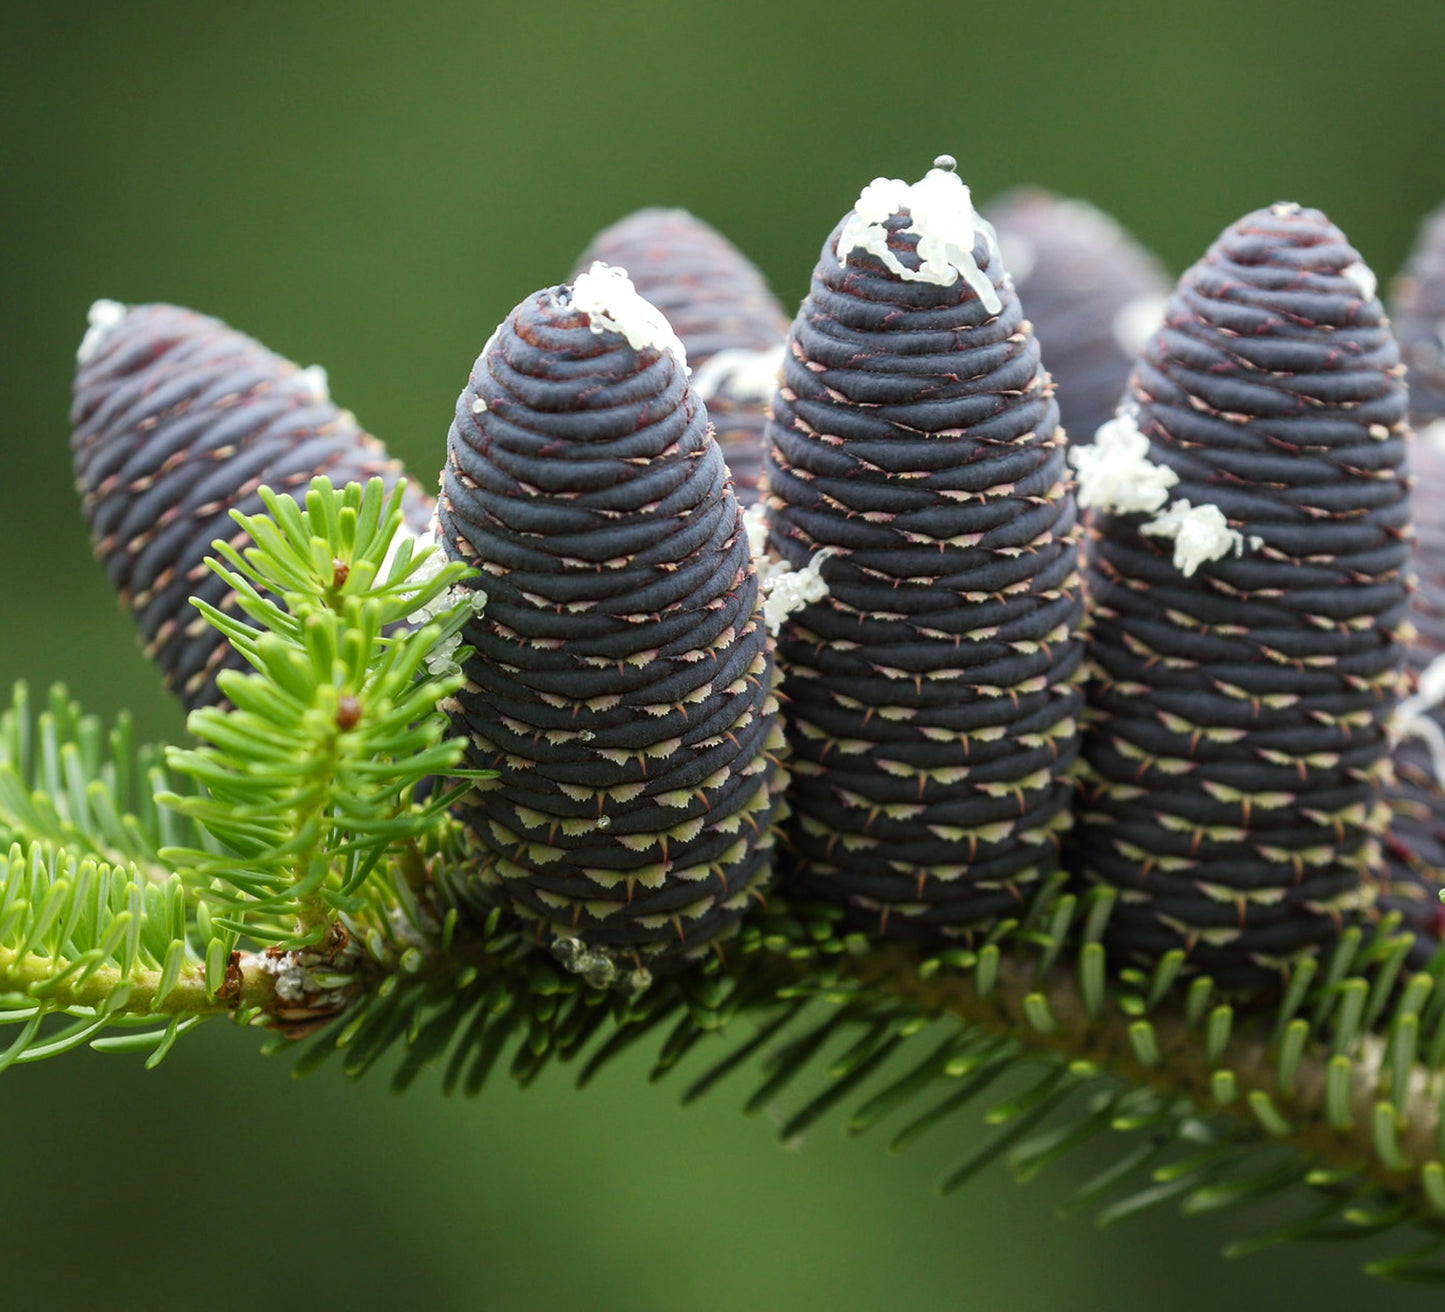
<point x="373" y="187"/>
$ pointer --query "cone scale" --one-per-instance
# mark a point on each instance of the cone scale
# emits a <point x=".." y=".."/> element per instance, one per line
<point x="622" y="681"/>
<point x="1247" y="625"/>
<point x="931" y="695"/>
<point x="177" y="419"/>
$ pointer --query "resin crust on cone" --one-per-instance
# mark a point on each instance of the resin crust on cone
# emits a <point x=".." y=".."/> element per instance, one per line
<point x="622" y="682"/>
<point x="931" y="696"/>
<point x="1246" y="634"/>
<point x="1091" y="291"/>
<point x="718" y="303"/>
<point x="177" y="419"/>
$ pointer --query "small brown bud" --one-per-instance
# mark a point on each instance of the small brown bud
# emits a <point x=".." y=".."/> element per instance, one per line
<point x="348" y="712"/>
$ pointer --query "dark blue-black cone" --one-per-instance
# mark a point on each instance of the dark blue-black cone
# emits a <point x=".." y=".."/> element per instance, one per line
<point x="622" y="684"/>
<point x="718" y="303"/>
<point x="1238" y="725"/>
<point x="1091" y="291"/>
<point x="176" y="420"/>
<point x="931" y="696"/>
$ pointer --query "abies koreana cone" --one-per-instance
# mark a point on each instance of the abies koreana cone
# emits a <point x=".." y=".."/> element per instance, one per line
<point x="1414" y="872"/>
<point x="1415" y="848"/>
<point x="1248" y="580"/>
<point x="622" y="678"/>
<point x="1092" y="293"/>
<point x="176" y="421"/>
<point x="719" y="305"/>
<point x="1417" y="312"/>
<point x="932" y="694"/>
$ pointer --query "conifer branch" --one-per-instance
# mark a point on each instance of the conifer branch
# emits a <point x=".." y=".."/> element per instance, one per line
<point x="1241" y="1080"/>
<point x="249" y="989"/>
<point x="1325" y="1097"/>
<point x="304" y="887"/>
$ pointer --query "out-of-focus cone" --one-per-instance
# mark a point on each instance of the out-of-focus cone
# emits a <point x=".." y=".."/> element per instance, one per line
<point x="177" y="419"/>
<point x="1092" y="292"/>
<point x="720" y="307"/>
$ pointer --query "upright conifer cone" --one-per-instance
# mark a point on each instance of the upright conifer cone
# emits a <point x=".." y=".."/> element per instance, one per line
<point x="622" y="682"/>
<point x="932" y="696"/>
<point x="1417" y="311"/>
<point x="1247" y="573"/>
<point x="720" y="307"/>
<point x="176" y="421"/>
<point x="1415" y="849"/>
<point x="1092" y="293"/>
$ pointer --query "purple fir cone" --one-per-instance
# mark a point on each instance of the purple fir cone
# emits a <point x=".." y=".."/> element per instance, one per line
<point x="932" y="695"/>
<point x="1248" y="560"/>
<point x="719" y="305"/>
<point x="622" y="684"/>
<point x="1414" y="871"/>
<point x="177" y="419"/>
<point x="1417" y="312"/>
<point x="1091" y="291"/>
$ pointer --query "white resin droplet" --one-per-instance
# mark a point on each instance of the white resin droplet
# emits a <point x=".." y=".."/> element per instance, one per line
<point x="607" y="297"/>
<point x="441" y="659"/>
<point x="102" y="317"/>
<point x="1136" y="320"/>
<point x="740" y="375"/>
<point x="789" y="590"/>
<point x="1364" y="278"/>
<point x="314" y="376"/>
<point x="783" y="589"/>
<point x="1019" y="256"/>
<point x="940" y="211"/>
<point x="1200" y="533"/>
<point x="945" y="162"/>
<point x="1116" y="474"/>
<point x="755" y="525"/>
<point x="1413" y="718"/>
